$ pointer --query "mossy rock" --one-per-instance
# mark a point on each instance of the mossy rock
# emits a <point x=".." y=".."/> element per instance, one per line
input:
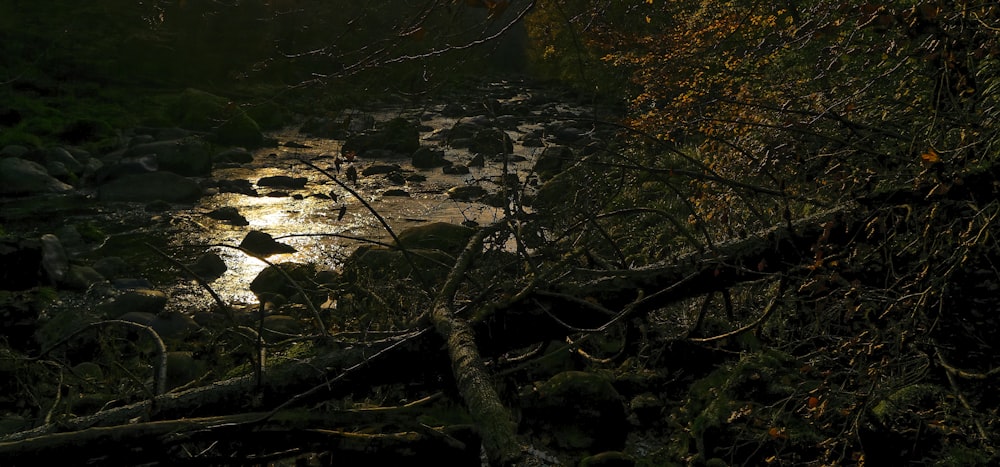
<point x="272" y="282"/>
<point x="449" y="238"/>
<point x="202" y="111"/>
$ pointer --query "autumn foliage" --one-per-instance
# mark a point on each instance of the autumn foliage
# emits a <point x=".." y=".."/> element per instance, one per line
<point x="746" y="116"/>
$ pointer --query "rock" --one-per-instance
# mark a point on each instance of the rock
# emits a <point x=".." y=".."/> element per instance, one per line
<point x="284" y="325"/>
<point x="239" y="130"/>
<point x="138" y="317"/>
<point x="359" y="122"/>
<point x="173" y="325"/>
<point x="491" y="141"/>
<point x="262" y="244"/>
<point x="81" y="277"/>
<point x="532" y="142"/>
<point x="283" y="181"/>
<point x="14" y="150"/>
<point x="453" y="110"/>
<point x="153" y="186"/>
<point x="140" y="139"/>
<point x="566" y="133"/>
<point x="22" y="177"/>
<point x="202" y="111"/>
<point x="63" y="157"/>
<point x="461" y="133"/>
<point x="237" y="155"/>
<point x="552" y="161"/>
<point x="136" y="300"/>
<point x="55" y="262"/>
<point x="379" y="168"/>
<point x="188" y="156"/>
<point x="449" y="238"/>
<point x="581" y="411"/>
<point x="323" y="127"/>
<point x="457" y="169"/>
<point x="466" y="192"/>
<point x="126" y="166"/>
<point x="426" y="158"/>
<point x="169" y="325"/>
<point x="229" y="214"/>
<point x="209" y="266"/>
<point x="243" y="187"/>
<point x="111" y="267"/>
<point x="270" y="283"/>
<point x="398" y="192"/>
<point x="398" y="135"/>
<point x="396" y="178"/>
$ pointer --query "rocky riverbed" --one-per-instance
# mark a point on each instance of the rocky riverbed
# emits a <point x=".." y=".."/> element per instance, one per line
<point x="123" y="231"/>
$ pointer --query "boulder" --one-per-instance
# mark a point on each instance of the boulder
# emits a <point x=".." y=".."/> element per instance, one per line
<point x="230" y="125"/>
<point x="230" y="215"/>
<point x="153" y="186"/>
<point x="262" y="244"/>
<point x="22" y="177"/>
<point x="81" y="277"/>
<point x="136" y="300"/>
<point x="272" y="283"/>
<point x="14" y="150"/>
<point x="55" y="262"/>
<point x="186" y="156"/>
<point x="396" y="192"/>
<point x="379" y="168"/>
<point x="62" y="156"/>
<point x="449" y="238"/>
<point x="126" y="166"/>
<point x="209" y="266"/>
<point x="466" y="192"/>
<point x="235" y="155"/>
<point x="456" y="169"/>
<point x="552" y="161"/>
<point x="427" y="158"/>
<point x="491" y="141"/>
<point x="283" y="181"/>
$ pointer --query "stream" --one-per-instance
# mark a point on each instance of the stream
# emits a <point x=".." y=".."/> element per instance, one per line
<point x="309" y="218"/>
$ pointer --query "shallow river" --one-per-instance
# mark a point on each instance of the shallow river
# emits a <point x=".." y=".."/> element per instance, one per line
<point x="288" y="215"/>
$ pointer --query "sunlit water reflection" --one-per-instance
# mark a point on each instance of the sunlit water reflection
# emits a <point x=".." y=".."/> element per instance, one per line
<point x="307" y="218"/>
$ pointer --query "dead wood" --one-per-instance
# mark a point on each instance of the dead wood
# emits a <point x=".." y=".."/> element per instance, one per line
<point x="496" y="423"/>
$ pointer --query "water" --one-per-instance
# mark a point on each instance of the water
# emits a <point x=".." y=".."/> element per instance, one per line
<point x="295" y="215"/>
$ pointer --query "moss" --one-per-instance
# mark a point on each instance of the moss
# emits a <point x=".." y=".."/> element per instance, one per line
<point x="195" y="109"/>
<point x="902" y="402"/>
<point x="90" y="232"/>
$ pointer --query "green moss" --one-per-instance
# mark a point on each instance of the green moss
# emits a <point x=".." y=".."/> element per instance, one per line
<point x="90" y="232"/>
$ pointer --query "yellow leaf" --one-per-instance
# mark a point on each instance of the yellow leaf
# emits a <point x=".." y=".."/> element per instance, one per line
<point x="930" y="157"/>
<point x="648" y="19"/>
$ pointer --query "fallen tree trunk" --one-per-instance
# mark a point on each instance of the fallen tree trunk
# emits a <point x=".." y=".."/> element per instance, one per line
<point x="497" y="426"/>
<point x="253" y="435"/>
